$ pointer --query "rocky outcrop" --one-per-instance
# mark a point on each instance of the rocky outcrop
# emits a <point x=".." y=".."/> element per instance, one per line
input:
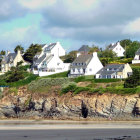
<point x="27" y="105"/>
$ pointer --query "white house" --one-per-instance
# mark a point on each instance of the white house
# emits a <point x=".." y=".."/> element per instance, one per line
<point x="86" y="64"/>
<point x="118" y="71"/>
<point x="48" y="62"/>
<point x="118" y="49"/>
<point x="137" y="57"/>
<point x="52" y="48"/>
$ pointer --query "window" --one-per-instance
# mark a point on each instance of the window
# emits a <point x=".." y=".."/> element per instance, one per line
<point x="84" y="70"/>
<point x="73" y="70"/>
<point x="90" y="69"/>
<point x="79" y="70"/>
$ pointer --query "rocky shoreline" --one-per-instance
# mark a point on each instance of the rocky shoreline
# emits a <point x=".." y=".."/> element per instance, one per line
<point x="27" y="105"/>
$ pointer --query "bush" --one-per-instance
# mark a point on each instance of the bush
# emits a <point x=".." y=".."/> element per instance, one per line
<point x="13" y="90"/>
<point x="26" y="81"/>
<point x="80" y="89"/>
<point x="106" y="80"/>
<point x="134" y="80"/>
<point x="58" y="75"/>
<point x="70" y="87"/>
<point x="47" y="82"/>
<point x="84" y="78"/>
<point x="121" y="90"/>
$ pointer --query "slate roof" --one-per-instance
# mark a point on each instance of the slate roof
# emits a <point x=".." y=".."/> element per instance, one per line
<point x="52" y="45"/>
<point x="82" y="59"/>
<point x="43" y="58"/>
<point x="38" y="61"/>
<point x="138" y="52"/>
<point x="9" y="57"/>
<point x="112" y="46"/>
<point x="111" y="69"/>
<point x="84" y="48"/>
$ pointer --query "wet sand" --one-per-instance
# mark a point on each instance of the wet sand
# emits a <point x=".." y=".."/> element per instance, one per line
<point x="71" y="134"/>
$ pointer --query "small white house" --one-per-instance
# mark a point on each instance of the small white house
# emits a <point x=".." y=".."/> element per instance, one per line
<point x="118" y="49"/>
<point x="137" y="57"/>
<point x="86" y="64"/>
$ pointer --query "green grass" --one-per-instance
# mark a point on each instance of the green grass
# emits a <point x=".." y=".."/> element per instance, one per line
<point x="58" y="75"/>
<point x="28" y="79"/>
<point x="106" y="80"/>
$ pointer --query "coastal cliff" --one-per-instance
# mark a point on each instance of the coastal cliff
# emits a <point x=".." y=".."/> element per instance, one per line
<point x="26" y="105"/>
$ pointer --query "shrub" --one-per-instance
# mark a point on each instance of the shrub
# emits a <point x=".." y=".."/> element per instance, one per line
<point x="39" y="83"/>
<point x="70" y="87"/>
<point x="134" y="80"/>
<point x="84" y="78"/>
<point x="80" y="89"/>
<point x="13" y="90"/>
<point x="121" y="90"/>
<point x="58" y="75"/>
<point x="106" y="80"/>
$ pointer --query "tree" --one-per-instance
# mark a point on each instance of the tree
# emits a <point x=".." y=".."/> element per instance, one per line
<point x="125" y="42"/>
<point x="70" y="57"/>
<point x="19" y="47"/>
<point x="134" y="80"/>
<point x="94" y="49"/>
<point x="31" y="52"/>
<point x="107" y="53"/>
<point x="15" y="74"/>
<point x="131" y="49"/>
<point x="2" y="52"/>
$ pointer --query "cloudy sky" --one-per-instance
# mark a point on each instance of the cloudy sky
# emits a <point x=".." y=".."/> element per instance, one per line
<point x="71" y="22"/>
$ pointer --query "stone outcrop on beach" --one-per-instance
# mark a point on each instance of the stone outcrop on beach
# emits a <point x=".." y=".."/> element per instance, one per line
<point x="27" y="105"/>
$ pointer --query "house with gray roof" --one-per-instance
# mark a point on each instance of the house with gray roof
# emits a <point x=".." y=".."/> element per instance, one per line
<point x="10" y="60"/>
<point x="85" y="64"/>
<point x="118" y="49"/>
<point x="137" y="57"/>
<point x="118" y="71"/>
<point x="48" y="61"/>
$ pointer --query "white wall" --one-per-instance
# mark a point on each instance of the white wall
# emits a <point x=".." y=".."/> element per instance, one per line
<point x="58" y="50"/>
<point x="94" y="66"/>
<point x="119" y="50"/>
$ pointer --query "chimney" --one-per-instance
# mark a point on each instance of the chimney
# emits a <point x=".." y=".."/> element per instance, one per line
<point x="94" y="54"/>
<point x="18" y="51"/>
<point x="78" y="54"/>
<point x="118" y="43"/>
<point x="8" y="52"/>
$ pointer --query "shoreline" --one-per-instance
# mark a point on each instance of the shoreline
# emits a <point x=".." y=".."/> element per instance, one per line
<point x="55" y="124"/>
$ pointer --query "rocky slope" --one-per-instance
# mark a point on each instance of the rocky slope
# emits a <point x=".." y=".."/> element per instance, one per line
<point x="27" y="105"/>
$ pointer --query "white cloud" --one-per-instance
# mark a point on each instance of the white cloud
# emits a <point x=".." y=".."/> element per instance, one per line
<point x="36" y="4"/>
<point x="23" y="35"/>
<point x="133" y="27"/>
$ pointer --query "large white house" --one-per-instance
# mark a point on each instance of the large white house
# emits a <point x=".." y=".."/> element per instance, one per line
<point x="48" y="62"/>
<point x="118" y="49"/>
<point x="85" y="64"/>
<point x="137" y="57"/>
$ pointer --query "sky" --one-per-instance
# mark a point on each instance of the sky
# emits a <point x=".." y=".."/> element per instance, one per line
<point x="71" y="22"/>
